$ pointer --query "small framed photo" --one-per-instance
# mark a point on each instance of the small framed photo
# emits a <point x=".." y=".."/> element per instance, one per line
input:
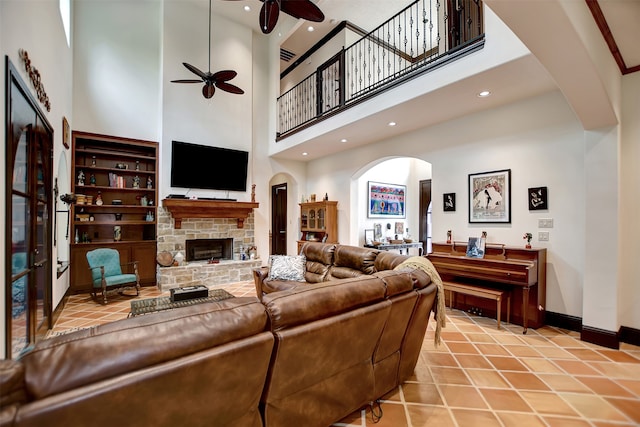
<point x="368" y="237"/>
<point x="538" y="199"/>
<point x="449" y="202"/>
<point x="475" y="247"/>
<point x="490" y="197"/>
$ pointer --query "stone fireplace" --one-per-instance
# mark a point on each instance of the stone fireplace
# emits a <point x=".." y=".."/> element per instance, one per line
<point x="207" y="249"/>
<point x="205" y="238"/>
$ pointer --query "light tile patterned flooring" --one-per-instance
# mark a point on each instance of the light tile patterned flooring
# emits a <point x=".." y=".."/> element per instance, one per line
<point x="478" y="376"/>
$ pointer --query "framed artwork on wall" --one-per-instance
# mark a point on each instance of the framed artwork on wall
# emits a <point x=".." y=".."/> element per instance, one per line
<point x="538" y="198"/>
<point x="449" y="202"/>
<point x="66" y="132"/>
<point x="490" y="197"/>
<point x="386" y="200"/>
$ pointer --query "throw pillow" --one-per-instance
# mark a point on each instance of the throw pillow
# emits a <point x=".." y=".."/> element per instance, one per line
<point x="283" y="267"/>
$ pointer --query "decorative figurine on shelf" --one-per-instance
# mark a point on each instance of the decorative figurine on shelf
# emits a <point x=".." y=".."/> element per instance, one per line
<point x="326" y="197"/>
<point x="137" y="165"/>
<point x="143" y="201"/>
<point x="99" y="201"/>
<point x="528" y="237"/>
<point x="136" y="181"/>
<point x="80" y="178"/>
<point x="92" y="180"/>
<point x="93" y="161"/>
<point x="117" y="233"/>
<point x="448" y="236"/>
<point x="149" y="183"/>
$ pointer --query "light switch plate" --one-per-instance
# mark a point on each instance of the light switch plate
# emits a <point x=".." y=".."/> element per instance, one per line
<point x="543" y="236"/>
<point x="545" y="223"/>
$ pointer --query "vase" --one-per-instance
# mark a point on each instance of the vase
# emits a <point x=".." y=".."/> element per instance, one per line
<point x="528" y="246"/>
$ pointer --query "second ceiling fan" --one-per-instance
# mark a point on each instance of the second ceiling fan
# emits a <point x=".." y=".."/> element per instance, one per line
<point x="300" y="9"/>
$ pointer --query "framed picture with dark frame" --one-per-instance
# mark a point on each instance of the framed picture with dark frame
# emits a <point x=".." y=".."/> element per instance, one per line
<point x="538" y="198"/>
<point x="490" y="197"/>
<point x="386" y="200"/>
<point x="449" y="202"/>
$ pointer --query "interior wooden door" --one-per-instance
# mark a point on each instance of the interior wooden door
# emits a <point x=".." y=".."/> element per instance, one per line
<point x="279" y="219"/>
<point x="425" y="215"/>
<point x="28" y="231"/>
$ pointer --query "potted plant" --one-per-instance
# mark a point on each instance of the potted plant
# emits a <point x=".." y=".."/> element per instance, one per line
<point x="528" y="237"/>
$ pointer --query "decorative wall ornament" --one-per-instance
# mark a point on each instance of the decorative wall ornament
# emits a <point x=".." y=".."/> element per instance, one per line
<point x="34" y="76"/>
<point x="538" y="198"/>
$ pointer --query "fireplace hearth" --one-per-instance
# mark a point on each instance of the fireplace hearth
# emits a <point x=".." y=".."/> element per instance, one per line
<point x="206" y="249"/>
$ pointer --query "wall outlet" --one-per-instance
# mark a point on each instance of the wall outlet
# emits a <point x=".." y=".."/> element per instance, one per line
<point x="543" y="236"/>
<point x="545" y="223"/>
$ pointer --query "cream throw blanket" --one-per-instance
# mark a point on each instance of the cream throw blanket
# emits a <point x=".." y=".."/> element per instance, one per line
<point x="422" y="263"/>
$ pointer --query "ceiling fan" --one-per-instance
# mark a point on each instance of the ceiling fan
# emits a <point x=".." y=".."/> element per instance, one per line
<point x="301" y="9"/>
<point x="211" y="80"/>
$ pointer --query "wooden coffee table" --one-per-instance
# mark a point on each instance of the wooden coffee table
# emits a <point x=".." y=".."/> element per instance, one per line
<point x="152" y="305"/>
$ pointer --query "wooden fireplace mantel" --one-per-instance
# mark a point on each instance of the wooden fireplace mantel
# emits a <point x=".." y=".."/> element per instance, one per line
<point x="185" y="208"/>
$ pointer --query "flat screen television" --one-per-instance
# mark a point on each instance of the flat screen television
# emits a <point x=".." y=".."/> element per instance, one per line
<point x="210" y="168"/>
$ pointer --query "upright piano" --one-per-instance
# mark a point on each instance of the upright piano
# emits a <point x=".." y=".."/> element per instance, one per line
<point x="521" y="271"/>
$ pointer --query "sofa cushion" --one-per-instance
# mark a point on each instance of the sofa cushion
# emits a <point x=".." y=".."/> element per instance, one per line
<point x="321" y="300"/>
<point x="353" y="261"/>
<point x="284" y="267"/>
<point x="388" y="260"/>
<point x="319" y="259"/>
<point x="142" y="342"/>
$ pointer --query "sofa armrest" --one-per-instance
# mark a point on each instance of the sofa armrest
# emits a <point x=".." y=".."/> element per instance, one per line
<point x="260" y="274"/>
<point x="12" y="384"/>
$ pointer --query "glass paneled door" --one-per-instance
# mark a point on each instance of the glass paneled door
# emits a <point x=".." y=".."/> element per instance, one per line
<point x="28" y="236"/>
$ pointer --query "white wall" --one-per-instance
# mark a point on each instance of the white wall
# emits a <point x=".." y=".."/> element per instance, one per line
<point x="629" y="226"/>
<point x="117" y="68"/>
<point x="542" y="143"/>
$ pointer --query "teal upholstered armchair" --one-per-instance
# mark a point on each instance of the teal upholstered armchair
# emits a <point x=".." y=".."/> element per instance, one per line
<point x="107" y="275"/>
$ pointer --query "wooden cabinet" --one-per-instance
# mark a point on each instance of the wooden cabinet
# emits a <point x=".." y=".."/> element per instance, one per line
<point x="114" y="184"/>
<point x="318" y="222"/>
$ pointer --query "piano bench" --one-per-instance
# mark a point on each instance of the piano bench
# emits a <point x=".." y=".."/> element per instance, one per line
<point x="478" y="291"/>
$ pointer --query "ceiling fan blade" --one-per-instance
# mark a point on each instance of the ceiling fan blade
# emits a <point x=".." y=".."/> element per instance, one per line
<point x="302" y="9"/>
<point x="228" y="87"/>
<point x="224" y="75"/>
<point x="269" y="16"/>
<point x="208" y="90"/>
<point x="186" y="81"/>
<point x="195" y="70"/>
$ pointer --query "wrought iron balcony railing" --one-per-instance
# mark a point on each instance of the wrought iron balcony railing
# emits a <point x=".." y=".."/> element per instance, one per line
<point x="424" y="35"/>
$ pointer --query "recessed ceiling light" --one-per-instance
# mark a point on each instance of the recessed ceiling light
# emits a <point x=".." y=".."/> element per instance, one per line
<point x="310" y="28"/>
<point x="392" y="123"/>
<point x="484" y="94"/>
<point x="305" y="154"/>
<point x="247" y="8"/>
<point x="343" y="140"/>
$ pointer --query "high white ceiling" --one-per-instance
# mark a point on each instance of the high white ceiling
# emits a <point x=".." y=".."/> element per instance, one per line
<point x="622" y="17"/>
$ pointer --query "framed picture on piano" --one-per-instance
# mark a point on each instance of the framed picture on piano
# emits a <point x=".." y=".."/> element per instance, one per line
<point x="490" y="197"/>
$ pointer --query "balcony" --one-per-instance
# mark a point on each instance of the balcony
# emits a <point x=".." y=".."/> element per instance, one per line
<point x="425" y="35"/>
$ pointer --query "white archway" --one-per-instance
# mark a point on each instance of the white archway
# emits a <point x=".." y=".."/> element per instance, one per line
<point x="407" y="171"/>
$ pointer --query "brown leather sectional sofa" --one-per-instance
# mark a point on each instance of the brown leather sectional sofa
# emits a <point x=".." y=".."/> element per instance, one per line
<point x="306" y="356"/>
